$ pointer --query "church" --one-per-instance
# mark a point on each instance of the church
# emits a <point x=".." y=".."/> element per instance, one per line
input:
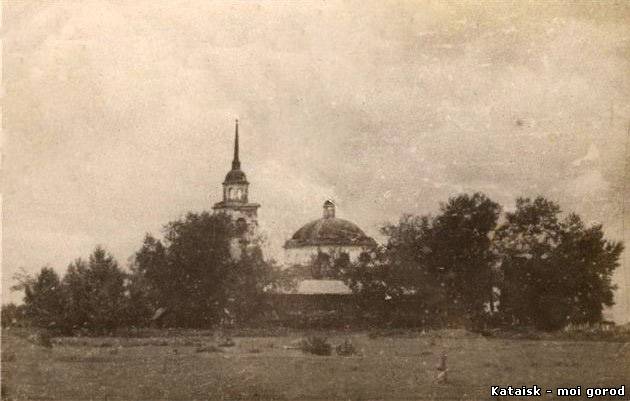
<point x="326" y="238"/>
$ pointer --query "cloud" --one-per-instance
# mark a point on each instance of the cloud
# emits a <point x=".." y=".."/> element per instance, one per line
<point x="590" y="156"/>
<point x="590" y="183"/>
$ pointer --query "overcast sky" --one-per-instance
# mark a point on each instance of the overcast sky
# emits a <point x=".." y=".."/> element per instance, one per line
<point x="119" y="116"/>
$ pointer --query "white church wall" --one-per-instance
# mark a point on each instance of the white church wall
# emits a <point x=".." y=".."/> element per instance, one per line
<point x="304" y="255"/>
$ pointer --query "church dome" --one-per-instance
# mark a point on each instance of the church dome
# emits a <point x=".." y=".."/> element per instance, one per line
<point x="329" y="230"/>
<point x="235" y="176"/>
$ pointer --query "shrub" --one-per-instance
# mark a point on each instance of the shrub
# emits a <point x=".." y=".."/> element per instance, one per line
<point x="13" y="315"/>
<point x="226" y="341"/>
<point x="41" y="338"/>
<point x="316" y="346"/>
<point x="346" y="348"/>
<point x="209" y="348"/>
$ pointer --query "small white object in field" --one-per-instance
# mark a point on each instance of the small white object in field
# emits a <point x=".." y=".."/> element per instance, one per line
<point x="442" y="369"/>
<point x="441" y="377"/>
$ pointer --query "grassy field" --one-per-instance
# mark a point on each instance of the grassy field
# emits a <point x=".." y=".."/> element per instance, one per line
<point x="186" y="367"/>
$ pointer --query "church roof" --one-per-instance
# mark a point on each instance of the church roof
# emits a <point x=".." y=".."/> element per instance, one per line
<point x="329" y="230"/>
<point x="235" y="177"/>
<point x="315" y="287"/>
<point x="309" y="287"/>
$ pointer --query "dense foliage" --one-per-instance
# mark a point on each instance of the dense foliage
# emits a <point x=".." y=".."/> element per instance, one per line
<point x="43" y="299"/>
<point x="537" y="268"/>
<point x="12" y="315"/>
<point x="460" y="268"/>
<point x="90" y="296"/>
<point x="94" y="294"/>
<point x="441" y="266"/>
<point x="206" y="272"/>
<point x="194" y="275"/>
<point x="554" y="271"/>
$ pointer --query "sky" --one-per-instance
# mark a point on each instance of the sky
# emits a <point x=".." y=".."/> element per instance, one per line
<point x="118" y="116"/>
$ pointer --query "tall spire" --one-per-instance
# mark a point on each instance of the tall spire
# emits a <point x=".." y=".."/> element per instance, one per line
<point x="236" y="164"/>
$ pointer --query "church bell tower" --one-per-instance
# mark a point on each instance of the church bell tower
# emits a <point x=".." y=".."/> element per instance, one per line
<point x="236" y="192"/>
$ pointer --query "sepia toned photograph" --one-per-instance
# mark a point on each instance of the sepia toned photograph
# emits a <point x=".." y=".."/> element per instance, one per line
<point x="315" y="200"/>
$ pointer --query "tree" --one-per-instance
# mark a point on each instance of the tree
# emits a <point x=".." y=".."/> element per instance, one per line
<point x="95" y="293"/>
<point x="371" y="280"/>
<point x="12" y="315"/>
<point x="592" y="261"/>
<point x="197" y="261"/>
<point x="460" y="251"/>
<point x="554" y="271"/>
<point x="43" y="299"/>
<point x="148" y="281"/>
<point x="407" y="254"/>
<point x="194" y="274"/>
<point x="395" y="284"/>
<point x="446" y="259"/>
<point x="245" y="284"/>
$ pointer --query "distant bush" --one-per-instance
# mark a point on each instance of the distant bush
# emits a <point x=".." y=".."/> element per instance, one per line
<point x="316" y="345"/>
<point x="226" y="342"/>
<point x="598" y="332"/>
<point x="346" y="348"/>
<point x="209" y="348"/>
<point x="41" y="338"/>
<point x="571" y="333"/>
<point x="13" y="315"/>
<point x="393" y="332"/>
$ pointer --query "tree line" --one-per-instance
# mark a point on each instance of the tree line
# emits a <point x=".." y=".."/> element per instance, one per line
<point x="530" y="267"/>
<point x="470" y="264"/>
<point x="190" y="274"/>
